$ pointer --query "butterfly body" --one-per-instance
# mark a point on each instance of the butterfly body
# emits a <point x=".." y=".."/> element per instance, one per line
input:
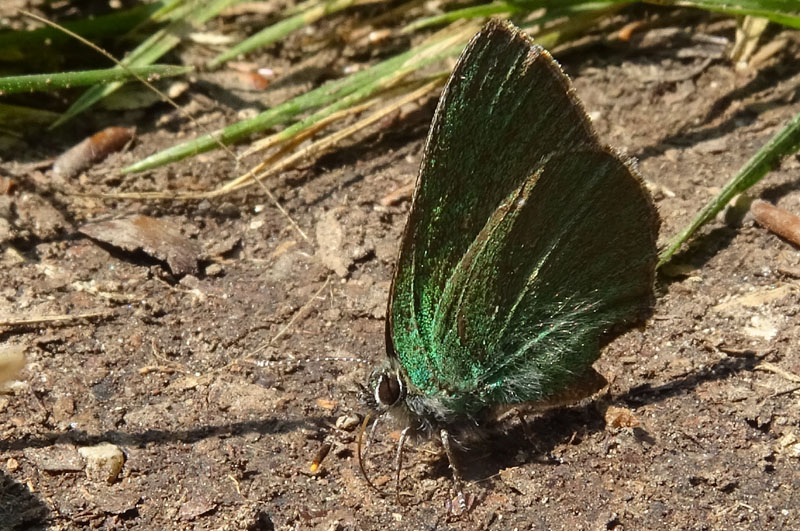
<point x="528" y="246"/>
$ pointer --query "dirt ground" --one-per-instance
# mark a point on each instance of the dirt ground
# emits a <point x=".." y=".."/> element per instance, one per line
<point x="167" y="367"/>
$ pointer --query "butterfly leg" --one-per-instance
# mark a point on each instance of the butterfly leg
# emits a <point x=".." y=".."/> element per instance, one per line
<point x="399" y="461"/>
<point x="526" y="429"/>
<point x="531" y="438"/>
<point x="371" y="435"/>
<point x="459" y="484"/>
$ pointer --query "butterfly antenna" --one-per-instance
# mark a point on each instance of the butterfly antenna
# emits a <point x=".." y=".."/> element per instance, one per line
<point x="362" y="454"/>
<point x="399" y="464"/>
<point x="296" y="362"/>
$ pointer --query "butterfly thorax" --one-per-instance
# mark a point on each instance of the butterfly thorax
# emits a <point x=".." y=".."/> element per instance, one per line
<point x="390" y="392"/>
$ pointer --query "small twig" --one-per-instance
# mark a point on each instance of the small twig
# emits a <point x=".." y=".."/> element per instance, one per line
<point x="300" y="313"/>
<point x="282" y="210"/>
<point x="236" y="485"/>
<point x="683" y="76"/>
<point x="731" y="351"/>
<point x="771" y="367"/>
<point x="166" y="369"/>
<point x="786" y="391"/>
<point x="789" y="272"/>
<point x="167" y="366"/>
<point x="398" y="194"/>
<point x="777" y="220"/>
<point x="55" y="318"/>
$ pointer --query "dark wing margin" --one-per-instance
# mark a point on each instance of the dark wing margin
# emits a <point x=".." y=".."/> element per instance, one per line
<point x="505" y="109"/>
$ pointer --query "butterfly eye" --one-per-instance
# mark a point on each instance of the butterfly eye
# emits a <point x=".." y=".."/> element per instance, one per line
<point x="388" y="390"/>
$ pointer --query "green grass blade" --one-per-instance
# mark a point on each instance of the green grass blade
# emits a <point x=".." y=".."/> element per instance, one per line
<point x="786" y="12"/>
<point x="280" y="29"/>
<point x="19" y="118"/>
<point x="350" y="89"/>
<point x="574" y="21"/>
<point x="45" y="82"/>
<point x="344" y="92"/>
<point x="115" y="24"/>
<point x="486" y="10"/>
<point x="330" y="97"/>
<point x="552" y="4"/>
<point x="555" y="10"/>
<point x="168" y="10"/>
<point x="784" y="143"/>
<point x="148" y="52"/>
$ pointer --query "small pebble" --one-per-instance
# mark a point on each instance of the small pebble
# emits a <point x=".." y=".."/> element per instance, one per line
<point x="214" y="270"/>
<point x="103" y="462"/>
<point x="347" y="422"/>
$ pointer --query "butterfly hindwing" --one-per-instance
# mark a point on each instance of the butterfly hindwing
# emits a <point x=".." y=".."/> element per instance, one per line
<point x="566" y="257"/>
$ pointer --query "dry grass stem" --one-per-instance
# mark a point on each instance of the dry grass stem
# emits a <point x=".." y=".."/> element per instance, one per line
<point x="771" y="367"/>
<point x="41" y="319"/>
<point x="275" y="164"/>
<point x="324" y="144"/>
<point x="302" y="312"/>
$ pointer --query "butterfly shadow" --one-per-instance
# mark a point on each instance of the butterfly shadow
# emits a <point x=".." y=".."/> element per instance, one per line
<point x="773" y="194"/>
<point x="152" y="436"/>
<point x="535" y="439"/>
<point x="20" y="508"/>
<point x="691" y="135"/>
<point x="700" y="250"/>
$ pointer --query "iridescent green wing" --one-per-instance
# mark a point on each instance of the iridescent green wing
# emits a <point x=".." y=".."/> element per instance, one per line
<point x="565" y="261"/>
<point x="506" y="108"/>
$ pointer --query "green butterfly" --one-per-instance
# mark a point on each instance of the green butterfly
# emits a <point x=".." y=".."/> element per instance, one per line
<point x="529" y="245"/>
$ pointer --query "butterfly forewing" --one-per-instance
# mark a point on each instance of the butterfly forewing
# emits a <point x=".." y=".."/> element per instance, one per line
<point x="501" y="107"/>
<point x="486" y="253"/>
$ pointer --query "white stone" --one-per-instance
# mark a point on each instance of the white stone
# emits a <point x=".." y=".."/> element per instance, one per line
<point x="103" y="462"/>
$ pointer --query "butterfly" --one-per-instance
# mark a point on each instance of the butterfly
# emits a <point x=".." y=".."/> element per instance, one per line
<point x="529" y="245"/>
